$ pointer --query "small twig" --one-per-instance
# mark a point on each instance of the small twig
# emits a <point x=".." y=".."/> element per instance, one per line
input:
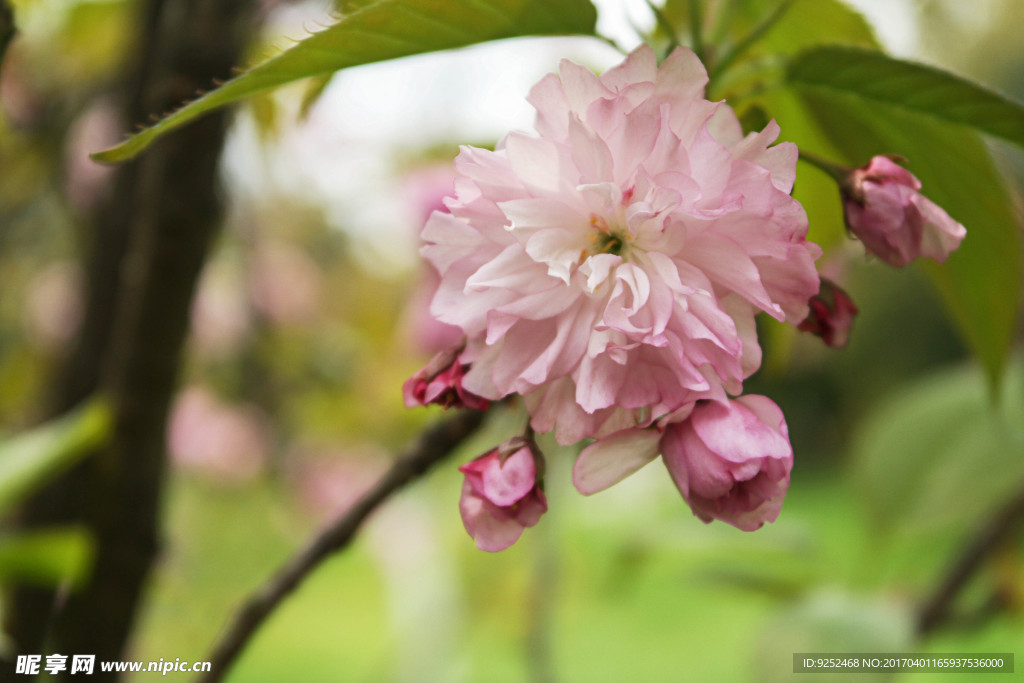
<point x="838" y="172"/>
<point x="611" y="41"/>
<point x="697" y="30"/>
<point x="935" y="609"/>
<point x="666" y="26"/>
<point x="746" y="43"/>
<point x="432" y="447"/>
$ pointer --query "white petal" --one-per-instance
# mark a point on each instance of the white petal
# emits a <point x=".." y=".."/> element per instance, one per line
<point x="613" y="458"/>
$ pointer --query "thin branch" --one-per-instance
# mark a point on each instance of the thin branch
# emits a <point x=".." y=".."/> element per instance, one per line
<point x="936" y="608"/>
<point x="611" y="41"/>
<point x="697" y="29"/>
<point x="433" y="446"/>
<point x="838" y="172"/>
<point x="666" y="26"/>
<point x="746" y="43"/>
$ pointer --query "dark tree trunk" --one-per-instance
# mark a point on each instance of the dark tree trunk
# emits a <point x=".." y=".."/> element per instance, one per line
<point x="150" y="240"/>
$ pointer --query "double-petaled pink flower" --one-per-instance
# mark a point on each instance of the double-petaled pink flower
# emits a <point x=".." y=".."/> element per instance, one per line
<point x="730" y="459"/>
<point x="609" y="269"/>
<point x="884" y="208"/>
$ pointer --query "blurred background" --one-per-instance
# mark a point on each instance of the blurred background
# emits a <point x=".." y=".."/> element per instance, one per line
<point x="311" y="311"/>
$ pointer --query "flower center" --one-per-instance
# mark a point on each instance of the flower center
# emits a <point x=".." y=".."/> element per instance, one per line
<point x="608" y="244"/>
<point x="605" y="239"/>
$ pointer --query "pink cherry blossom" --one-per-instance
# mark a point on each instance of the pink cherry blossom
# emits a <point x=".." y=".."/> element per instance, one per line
<point x="730" y="459"/>
<point x="831" y="315"/>
<point x="440" y="381"/>
<point x="227" y="443"/>
<point x="501" y="495"/>
<point x="610" y="268"/>
<point x="895" y="222"/>
<point x="328" y="479"/>
<point x="53" y="306"/>
<point x="220" y="320"/>
<point x="425" y="189"/>
<point x="285" y="284"/>
<point x="423" y="332"/>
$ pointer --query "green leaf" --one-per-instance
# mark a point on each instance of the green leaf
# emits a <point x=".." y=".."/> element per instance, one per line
<point x="29" y="460"/>
<point x="816" y="192"/>
<point x="805" y="23"/>
<point x="384" y="30"/>
<point x="875" y="77"/>
<point x="350" y="6"/>
<point x="980" y="282"/>
<point x="937" y="458"/>
<point x="46" y="557"/>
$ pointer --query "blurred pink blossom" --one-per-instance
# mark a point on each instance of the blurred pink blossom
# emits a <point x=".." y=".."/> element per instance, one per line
<point x="227" y="443"/>
<point x="53" y="306"/>
<point x="329" y="480"/>
<point x="285" y="284"/>
<point x="21" y="101"/>
<point x="610" y="269"/>
<point x="85" y="181"/>
<point x="501" y="495"/>
<point x="425" y="189"/>
<point x="426" y="333"/>
<point x="895" y="222"/>
<point x="220" y="315"/>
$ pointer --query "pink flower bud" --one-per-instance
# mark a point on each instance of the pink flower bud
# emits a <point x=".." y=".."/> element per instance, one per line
<point x="731" y="460"/>
<point x="501" y="495"/>
<point x="895" y="222"/>
<point x="440" y="382"/>
<point x="831" y="315"/>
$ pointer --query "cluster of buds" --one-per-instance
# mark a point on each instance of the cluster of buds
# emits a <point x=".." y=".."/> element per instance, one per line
<point x="730" y="460"/>
<point x="883" y="208"/>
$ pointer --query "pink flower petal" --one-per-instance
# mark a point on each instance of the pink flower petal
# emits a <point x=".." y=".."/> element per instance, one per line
<point x="492" y="532"/>
<point x="505" y="483"/>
